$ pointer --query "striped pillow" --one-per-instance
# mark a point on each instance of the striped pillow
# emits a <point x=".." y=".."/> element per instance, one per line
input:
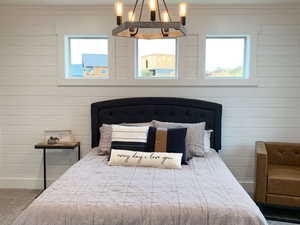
<point x="129" y="137"/>
<point x="105" y="136"/>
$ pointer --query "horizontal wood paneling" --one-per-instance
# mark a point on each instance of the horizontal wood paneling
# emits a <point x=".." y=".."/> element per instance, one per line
<point x="27" y="60"/>
<point x="26" y="29"/>
<point x="291" y="29"/>
<point x="278" y="71"/>
<point x="28" y="51"/>
<point x="274" y="60"/>
<point x="29" y="40"/>
<point x="286" y="39"/>
<point x="31" y="101"/>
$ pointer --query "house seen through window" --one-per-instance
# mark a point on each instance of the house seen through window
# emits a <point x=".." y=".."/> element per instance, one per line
<point x="87" y="57"/>
<point x="227" y="57"/>
<point x="156" y="58"/>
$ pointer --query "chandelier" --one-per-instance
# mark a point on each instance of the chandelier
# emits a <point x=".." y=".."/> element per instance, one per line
<point x="159" y="26"/>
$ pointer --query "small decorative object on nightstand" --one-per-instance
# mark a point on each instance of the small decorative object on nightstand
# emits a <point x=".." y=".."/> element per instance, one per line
<point x="58" y="136"/>
<point x="65" y="145"/>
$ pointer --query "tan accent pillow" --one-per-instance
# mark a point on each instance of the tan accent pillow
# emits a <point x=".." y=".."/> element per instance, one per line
<point x="194" y="137"/>
<point x="161" y="139"/>
<point x="106" y="137"/>
<point x="145" y="159"/>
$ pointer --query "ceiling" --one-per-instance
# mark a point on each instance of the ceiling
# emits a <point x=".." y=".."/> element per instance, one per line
<point x="98" y="2"/>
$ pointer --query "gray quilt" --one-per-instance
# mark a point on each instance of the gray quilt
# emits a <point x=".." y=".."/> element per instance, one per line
<point x="93" y="193"/>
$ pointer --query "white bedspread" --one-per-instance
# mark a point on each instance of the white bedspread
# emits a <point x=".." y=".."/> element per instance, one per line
<point x="92" y="193"/>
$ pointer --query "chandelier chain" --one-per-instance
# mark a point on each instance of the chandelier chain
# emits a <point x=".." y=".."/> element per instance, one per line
<point x="158" y="8"/>
<point x="159" y="16"/>
<point x="141" y="13"/>
<point x="133" y="13"/>
<point x="135" y="6"/>
<point x="142" y="8"/>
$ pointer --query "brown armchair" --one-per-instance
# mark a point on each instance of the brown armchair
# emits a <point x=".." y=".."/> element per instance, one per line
<point x="278" y="173"/>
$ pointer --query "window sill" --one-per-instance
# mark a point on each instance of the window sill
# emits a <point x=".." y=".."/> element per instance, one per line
<point x="155" y="83"/>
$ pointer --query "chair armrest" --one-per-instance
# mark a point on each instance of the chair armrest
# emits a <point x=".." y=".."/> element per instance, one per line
<point x="261" y="172"/>
<point x="260" y="148"/>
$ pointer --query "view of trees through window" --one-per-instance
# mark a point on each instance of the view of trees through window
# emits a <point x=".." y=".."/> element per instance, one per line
<point x="88" y="57"/>
<point x="157" y="58"/>
<point x="225" y="57"/>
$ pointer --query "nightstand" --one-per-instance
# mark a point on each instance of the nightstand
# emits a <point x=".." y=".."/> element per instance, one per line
<point x="45" y="146"/>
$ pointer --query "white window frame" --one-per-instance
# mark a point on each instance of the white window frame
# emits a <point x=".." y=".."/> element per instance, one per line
<point x="136" y="63"/>
<point x="251" y="80"/>
<point x="67" y="55"/>
<point x="247" y="56"/>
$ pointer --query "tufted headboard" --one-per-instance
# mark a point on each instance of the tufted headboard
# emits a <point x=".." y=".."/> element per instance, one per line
<point x="138" y="110"/>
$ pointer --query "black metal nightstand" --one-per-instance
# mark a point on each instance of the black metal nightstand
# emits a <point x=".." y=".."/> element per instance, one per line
<point x="45" y="146"/>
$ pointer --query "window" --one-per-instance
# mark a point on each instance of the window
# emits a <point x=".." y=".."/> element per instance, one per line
<point x="227" y="57"/>
<point x="156" y="58"/>
<point x="86" y="57"/>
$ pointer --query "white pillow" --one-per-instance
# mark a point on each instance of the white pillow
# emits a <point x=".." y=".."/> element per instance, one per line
<point x="207" y="135"/>
<point x="146" y="159"/>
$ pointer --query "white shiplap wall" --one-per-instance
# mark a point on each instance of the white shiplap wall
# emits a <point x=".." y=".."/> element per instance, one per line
<point x="31" y="101"/>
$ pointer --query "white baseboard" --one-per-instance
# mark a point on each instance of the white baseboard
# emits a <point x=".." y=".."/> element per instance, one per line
<point x="249" y="186"/>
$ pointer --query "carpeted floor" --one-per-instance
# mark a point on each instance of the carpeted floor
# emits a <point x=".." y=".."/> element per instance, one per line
<point x="13" y="202"/>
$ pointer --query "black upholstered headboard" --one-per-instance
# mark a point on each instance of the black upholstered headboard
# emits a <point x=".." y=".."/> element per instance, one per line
<point x="137" y="110"/>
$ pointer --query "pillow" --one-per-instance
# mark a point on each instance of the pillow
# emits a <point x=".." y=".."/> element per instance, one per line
<point x="194" y="136"/>
<point x="171" y="140"/>
<point x="146" y="159"/>
<point x="138" y="124"/>
<point x="105" y="137"/>
<point x="207" y="135"/>
<point x="129" y="137"/>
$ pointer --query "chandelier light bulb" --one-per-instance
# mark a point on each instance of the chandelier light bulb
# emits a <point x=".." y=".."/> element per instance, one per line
<point x="182" y="9"/>
<point x="182" y="13"/>
<point x="119" y="11"/>
<point x="119" y="8"/>
<point x="131" y="16"/>
<point x="152" y="5"/>
<point x="165" y="17"/>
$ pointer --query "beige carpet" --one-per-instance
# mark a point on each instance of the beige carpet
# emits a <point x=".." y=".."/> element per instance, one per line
<point x="13" y="202"/>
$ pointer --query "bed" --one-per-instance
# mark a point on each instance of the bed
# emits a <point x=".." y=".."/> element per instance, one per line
<point x="93" y="193"/>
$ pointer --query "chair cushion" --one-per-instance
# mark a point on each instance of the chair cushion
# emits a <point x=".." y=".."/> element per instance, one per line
<point x="284" y="180"/>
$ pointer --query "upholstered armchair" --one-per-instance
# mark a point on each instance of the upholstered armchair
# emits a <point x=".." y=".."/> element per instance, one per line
<point x="278" y="174"/>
